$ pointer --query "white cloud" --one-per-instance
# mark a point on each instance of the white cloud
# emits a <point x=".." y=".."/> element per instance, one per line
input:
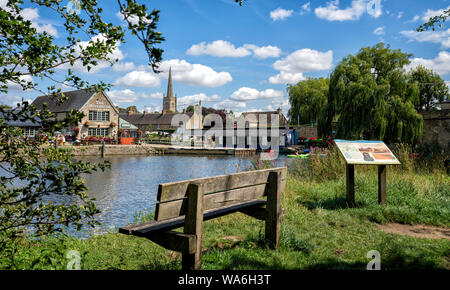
<point x="222" y="48"/>
<point x="264" y="51"/>
<point x="280" y="14"/>
<point x="132" y="19"/>
<point x="116" y="54"/>
<point x="129" y="96"/>
<point x="17" y="87"/>
<point x="441" y="37"/>
<point x="294" y="65"/>
<point x="29" y="101"/>
<point x="9" y="100"/>
<point x="400" y="15"/>
<point x="182" y="71"/>
<point x="219" y="48"/>
<point x="306" y="8"/>
<point x="440" y="64"/>
<point x="138" y="78"/>
<point x="432" y="13"/>
<point x="245" y="94"/>
<point x="332" y="12"/>
<point x="415" y="18"/>
<point x="152" y="108"/>
<point x="230" y="105"/>
<point x="123" y="66"/>
<point x="32" y="14"/>
<point x="305" y="60"/>
<point x="283" y="104"/>
<point x="194" y="74"/>
<point x="379" y="31"/>
<point x="194" y="99"/>
<point x="286" y="78"/>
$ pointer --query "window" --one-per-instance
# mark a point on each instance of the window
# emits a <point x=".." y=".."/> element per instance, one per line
<point x="98" y="115"/>
<point x="30" y="131"/>
<point x="98" y="132"/>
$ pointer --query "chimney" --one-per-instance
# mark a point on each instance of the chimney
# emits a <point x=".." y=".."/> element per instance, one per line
<point x="184" y="111"/>
<point x="279" y="111"/>
<point x="117" y="108"/>
<point x="130" y="111"/>
<point x="164" y="112"/>
<point x="145" y="112"/>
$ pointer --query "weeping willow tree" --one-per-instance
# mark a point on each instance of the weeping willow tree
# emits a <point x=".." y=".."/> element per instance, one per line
<point x="307" y="99"/>
<point x="370" y="98"/>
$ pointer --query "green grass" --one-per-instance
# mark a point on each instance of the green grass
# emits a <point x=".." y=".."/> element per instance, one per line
<point x="319" y="231"/>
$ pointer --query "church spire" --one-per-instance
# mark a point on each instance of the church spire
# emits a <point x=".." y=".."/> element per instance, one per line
<point x="169" y="85"/>
<point x="170" y="101"/>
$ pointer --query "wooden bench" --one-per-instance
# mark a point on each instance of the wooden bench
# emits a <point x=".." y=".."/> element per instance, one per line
<point x="188" y="203"/>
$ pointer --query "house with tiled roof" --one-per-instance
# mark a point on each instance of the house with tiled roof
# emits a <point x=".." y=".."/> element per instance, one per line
<point x="101" y="116"/>
<point x="162" y="121"/>
<point x="30" y="127"/>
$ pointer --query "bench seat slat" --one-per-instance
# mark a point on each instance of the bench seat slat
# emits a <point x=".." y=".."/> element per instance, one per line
<point x="144" y="229"/>
<point x="177" y="190"/>
<point x="177" y="208"/>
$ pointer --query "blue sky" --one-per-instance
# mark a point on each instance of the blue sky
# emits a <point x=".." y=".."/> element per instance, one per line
<point x="242" y="58"/>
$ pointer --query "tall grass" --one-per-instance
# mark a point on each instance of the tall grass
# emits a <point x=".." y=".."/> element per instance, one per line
<point x="328" y="164"/>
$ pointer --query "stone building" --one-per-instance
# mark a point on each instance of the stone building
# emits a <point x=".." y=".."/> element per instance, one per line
<point x="29" y="128"/>
<point x="162" y="121"/>
<point x="263" y="119"/>
<point x="436" y="126"/>
<point x="101" y="116"/>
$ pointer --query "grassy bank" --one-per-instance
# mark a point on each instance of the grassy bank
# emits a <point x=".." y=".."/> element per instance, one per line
<point x="319" y="231"/>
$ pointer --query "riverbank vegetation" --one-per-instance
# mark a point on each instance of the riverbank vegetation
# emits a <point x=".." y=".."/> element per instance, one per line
<point x="319" y="230"/>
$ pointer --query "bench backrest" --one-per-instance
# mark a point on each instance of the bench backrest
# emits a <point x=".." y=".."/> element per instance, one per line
<point x="218" y="191"/>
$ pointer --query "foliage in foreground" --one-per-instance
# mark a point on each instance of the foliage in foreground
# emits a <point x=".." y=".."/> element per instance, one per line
<point x="31" y="171"/>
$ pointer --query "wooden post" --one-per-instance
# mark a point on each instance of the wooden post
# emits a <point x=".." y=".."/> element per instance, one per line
<point x="350" y="178"/>
<point x="103" y="148"/>
<point x="382" y="184"/>
<point x="194" y="225"/>
<point x="273" y="218"/>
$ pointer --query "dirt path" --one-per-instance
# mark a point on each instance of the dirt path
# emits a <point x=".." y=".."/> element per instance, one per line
<point x="417" y="231"/>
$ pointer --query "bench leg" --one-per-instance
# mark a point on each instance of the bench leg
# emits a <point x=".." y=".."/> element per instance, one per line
<point x="274" y="212"/>
<point x="194" y="225"/>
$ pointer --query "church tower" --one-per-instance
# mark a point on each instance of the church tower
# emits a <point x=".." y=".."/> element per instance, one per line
<point x="169" y="101"/>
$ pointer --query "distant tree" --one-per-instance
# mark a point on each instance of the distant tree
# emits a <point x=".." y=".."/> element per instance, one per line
<point x="134" y="109"/>
<point x="190" y="108"/>
<point x="222" y="113"/>
<point x="370" y="98"/>
<point x="433" y="89"/>
<point x="307" y="99"/>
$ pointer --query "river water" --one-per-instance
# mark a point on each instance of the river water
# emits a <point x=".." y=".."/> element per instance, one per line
<point x="130" y="187"/>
